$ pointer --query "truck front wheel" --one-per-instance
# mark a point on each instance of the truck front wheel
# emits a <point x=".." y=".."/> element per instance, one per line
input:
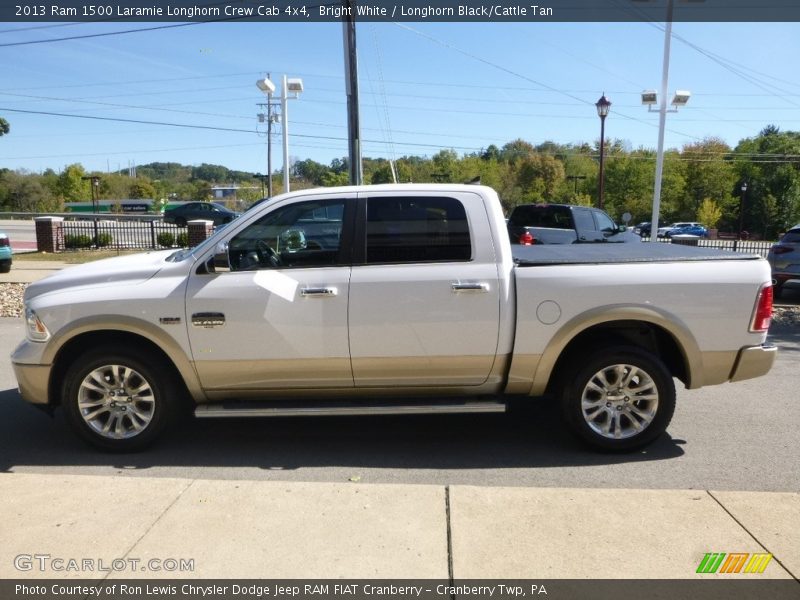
<point x="619" y="398"/>
<point x="118" y="400"/>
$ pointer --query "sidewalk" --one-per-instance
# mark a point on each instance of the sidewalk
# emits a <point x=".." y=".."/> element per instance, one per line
<point x="263" y="529"/>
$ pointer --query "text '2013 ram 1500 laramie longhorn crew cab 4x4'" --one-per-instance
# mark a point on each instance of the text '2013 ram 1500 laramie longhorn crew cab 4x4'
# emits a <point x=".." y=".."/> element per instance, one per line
<point x="390" y="299"/>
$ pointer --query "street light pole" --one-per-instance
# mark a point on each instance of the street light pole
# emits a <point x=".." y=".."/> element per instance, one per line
<point x="741" y="209"/>
<point x="662" y="121"/>
<point x="295" y="86"/>
<point x="285" y="129"/>
<point x="575" y="179"/>
<point x="603" y="105"/>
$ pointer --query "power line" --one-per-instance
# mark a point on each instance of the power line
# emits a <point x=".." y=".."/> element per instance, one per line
<point x="105" y="34"/>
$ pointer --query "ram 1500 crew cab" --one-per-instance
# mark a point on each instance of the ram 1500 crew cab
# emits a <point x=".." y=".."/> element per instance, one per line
<point x="390" y="299"/>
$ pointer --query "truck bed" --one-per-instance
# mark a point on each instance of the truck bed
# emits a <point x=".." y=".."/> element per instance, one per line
<point x="589" y="254"/>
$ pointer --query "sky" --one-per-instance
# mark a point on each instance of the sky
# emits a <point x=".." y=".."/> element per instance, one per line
<point x="423" y="86"/>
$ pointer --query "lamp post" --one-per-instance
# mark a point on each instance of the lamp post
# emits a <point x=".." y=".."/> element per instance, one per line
<point x="741" y="209"/>
<point x="575" y="178"/>
<point x="293" y="86"/>
<point x="603" y="105"/>
<point x="649" y="98"/>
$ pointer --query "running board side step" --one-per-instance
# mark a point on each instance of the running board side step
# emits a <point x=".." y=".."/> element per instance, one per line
<point x="295" y="409"/>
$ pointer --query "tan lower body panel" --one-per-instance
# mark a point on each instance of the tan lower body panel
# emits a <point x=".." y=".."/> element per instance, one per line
<point x="233" y="375"/>
<point x="396" y="377"/>
<point x="422" y="370"/>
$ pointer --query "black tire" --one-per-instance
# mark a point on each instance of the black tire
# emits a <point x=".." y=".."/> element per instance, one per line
<point x="180" y="221"/>
<point x="5" y="267"/>
<point x="777" y="291"/>
<point x="151" y="409"/>
<point x="636" y="412"/>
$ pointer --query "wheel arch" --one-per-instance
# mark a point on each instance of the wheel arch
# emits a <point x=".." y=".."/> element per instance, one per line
<point x="84" y="335"/>
<point x="661" y="334"/>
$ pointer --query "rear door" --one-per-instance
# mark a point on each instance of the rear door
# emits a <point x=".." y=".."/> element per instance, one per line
<point x="424" y="291"/>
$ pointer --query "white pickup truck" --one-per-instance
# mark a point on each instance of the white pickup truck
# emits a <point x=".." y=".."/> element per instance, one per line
<point x="385" y="300"/>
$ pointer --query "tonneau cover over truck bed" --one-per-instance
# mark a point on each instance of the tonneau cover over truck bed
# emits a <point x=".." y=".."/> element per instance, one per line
<point x="583" y="254"/>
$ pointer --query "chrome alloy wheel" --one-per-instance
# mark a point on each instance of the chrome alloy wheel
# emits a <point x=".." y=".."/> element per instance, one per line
<point x="619" y="401"/>
<point x="116" y="401"/>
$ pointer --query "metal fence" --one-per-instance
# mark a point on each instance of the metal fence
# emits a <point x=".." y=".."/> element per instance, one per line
<point x="747" y="246"/>
<point x="120" y="235"/>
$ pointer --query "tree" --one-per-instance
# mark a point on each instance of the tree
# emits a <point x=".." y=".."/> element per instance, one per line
<point x="4" y="127"/>
<point x="539" y="176"/>
<point x="765" y="163"/>
<point x="25" y="192"/>
<point x="709" y="175"/>
<point x="709" y="213"/>
<point x="516" y="150"/>
<point x="71" y="187"/>
<point x="141" y="187"/>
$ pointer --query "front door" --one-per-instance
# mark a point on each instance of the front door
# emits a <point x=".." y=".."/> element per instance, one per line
<point x="278" y="318"/>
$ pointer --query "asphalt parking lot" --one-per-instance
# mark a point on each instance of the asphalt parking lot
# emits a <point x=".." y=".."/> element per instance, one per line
<point x="740" y="436"/>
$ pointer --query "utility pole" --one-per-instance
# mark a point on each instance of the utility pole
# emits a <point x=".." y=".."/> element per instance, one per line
<point x="351" y="83"/>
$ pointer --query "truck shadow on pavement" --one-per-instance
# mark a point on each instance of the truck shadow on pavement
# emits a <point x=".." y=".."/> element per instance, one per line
<point x="529" y="436"/>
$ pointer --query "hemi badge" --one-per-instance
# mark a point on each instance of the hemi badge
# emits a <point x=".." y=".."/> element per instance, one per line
<point x="170" y="320"/>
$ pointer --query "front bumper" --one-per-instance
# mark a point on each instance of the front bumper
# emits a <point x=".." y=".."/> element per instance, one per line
<point x="753" y="361"/>
<point x="32" y="382"/>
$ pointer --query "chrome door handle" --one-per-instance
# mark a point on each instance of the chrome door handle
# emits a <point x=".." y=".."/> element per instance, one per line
<point x="470" y="287"/>
<point x="318" y="291"/>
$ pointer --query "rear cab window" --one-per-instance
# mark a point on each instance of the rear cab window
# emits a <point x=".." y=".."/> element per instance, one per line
<point x="407" y="229"/>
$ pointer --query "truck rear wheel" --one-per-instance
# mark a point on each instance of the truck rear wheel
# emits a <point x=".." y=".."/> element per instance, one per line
<point x="619" y="398"/>
<point x="118" y="400"/>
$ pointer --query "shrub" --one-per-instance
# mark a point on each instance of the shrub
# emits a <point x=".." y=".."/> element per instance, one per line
<point x="73" y="241"/>
<point x="165" y="238"/>
<point x="104" y="239"/>
<point x="183" y="239"/>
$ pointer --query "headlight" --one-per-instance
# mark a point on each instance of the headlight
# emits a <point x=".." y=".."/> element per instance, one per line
<point x="36" y="330"/>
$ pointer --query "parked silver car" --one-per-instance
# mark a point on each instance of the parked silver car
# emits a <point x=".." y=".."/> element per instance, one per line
<point x="784" y="258"/>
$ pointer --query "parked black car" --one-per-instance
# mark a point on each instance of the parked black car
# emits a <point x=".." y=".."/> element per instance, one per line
<point x="210" y="211"/>
<point x="531" y="224"/>
<point x="643" y="229"/>
<point x="784" y="258"/>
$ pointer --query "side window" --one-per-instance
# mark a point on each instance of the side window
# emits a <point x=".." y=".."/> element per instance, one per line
<point x="604" y="222"/>
<point x="583" y="220"/>
<point x="300" y="235"/>
<point x="408" y="230"/>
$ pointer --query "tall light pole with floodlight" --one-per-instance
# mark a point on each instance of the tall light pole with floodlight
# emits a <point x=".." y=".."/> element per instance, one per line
<point x="293" y="86"/>
<point x="603" y="105"/>
<point x="649" y="98"/>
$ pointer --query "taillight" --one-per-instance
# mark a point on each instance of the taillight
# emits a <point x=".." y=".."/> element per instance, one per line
<point x="781" y="249"/>
<point x="763" y="310"/>
<point x="526" y="239"/>
<point x="4" y="241"/>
